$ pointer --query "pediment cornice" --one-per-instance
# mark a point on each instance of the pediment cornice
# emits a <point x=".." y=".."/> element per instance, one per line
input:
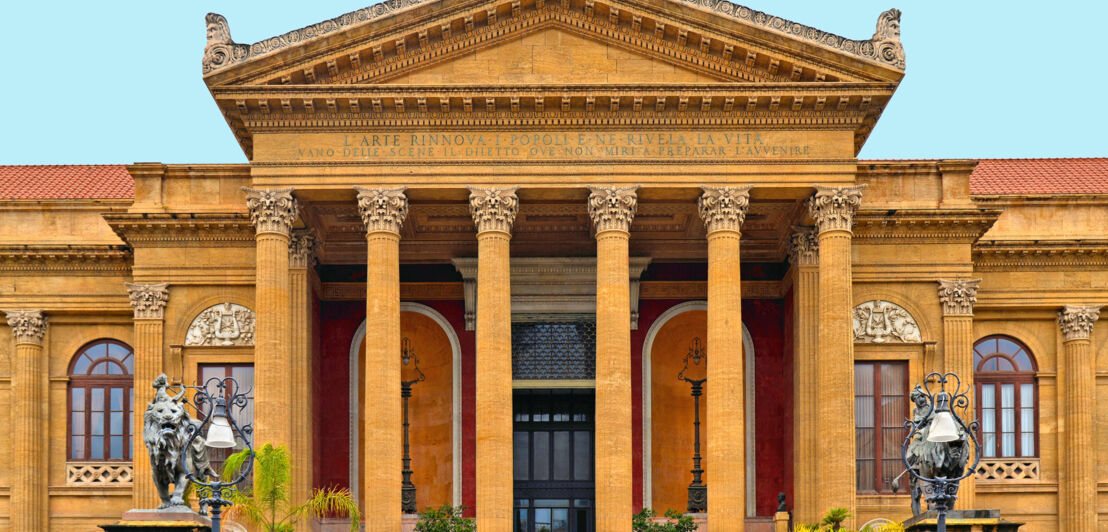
<point x="183" y="230"/>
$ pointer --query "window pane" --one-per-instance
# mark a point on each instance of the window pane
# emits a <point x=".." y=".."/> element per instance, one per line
<point x="1006" y="346"/>
<point x="97" y="397"/>
<point x="1003" y="364"/>
<point x="117" y="351"/>
<point x="77" y="447"/>
<point x="77" y="396"/>
<point x="542" y="519"/>
<point x="521" y="520"/>
<point x="560" y="520"/>
<point x="81" y="367"/>
<point x="863" y="379"/>
<point x="889" y="470"/>
<point x="1008" y="444"/>
<point x="520" y="454"/>
<point x="1024" y="361"/>
<point x="892" y="379"/>
<point x="117" y="447"/>
<point x="541" y="460"/>
<point x="77" y="423"/>
<point x="988" y="445"/>
<point x="1027" y="444"/>
<point x="863" y="411"/>
<point x="582" y="455"/>
<point x="1007" y="420"/>
<point x="117" y="398"/>
<point x="988" y="420"/>
<point x="129" y="364"/>
<point x="113" y="368"/>
<point x="891" y="441"/>
<point x="865" y="475"/>
<point x="101" y="368"/>
<point x="116" y="423"/>
<point x="893" y="411"/>
<point x="561" y="454"/>
<point x="96" y="450"/>
<point x="988" y="395"/>
<point x="1027" y="395"/>
<point x="865" y="443"/>
<point x="1007" y="395"/>
<point x="97" y="423"/>
<point x="1027" y="420"/>
<point x="244" y="375"/>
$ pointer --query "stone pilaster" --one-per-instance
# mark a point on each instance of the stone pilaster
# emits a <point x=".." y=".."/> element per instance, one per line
<point x="611" y="210"/>
<point x="383" y="212"/>
<point x="148" y="302"/>
<point x="804" y="258"/>
<point x="29" y="502"/>
<point x="833" y="210"/>
<point x="272" y="211"/>
<point x="301" y="260"/>
<point x="494" y="211"/>
<point x="957" y="298"/>
<point x="1078" y="483"/>
<point x="723" y="210"/>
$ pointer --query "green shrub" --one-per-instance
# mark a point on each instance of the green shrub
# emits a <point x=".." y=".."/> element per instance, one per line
<point x="674" y="522"/>
<point x="834" y="518"/>
<point x="445" y="518"/>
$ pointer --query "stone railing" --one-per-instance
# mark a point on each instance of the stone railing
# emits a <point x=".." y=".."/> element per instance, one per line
<point x="98" y="473"/>
<point x="1008" y="470"/>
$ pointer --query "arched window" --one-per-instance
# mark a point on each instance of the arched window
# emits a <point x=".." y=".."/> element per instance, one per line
<point x="101" y="390"/>
<point x="1004" y="370"/>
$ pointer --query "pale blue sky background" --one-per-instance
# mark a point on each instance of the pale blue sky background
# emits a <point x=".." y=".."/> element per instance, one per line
<point x="117" y="82"/>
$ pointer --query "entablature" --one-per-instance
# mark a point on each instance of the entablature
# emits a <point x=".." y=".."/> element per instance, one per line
<point x="70" y="260"/>
<point x="931" y="225"/>
<point x="1041" y="255"/>
<point x="183" y="229"/>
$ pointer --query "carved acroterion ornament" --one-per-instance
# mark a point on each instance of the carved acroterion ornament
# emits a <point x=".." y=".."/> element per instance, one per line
<point x="220" y="50"/>
<point x="1076" y="321"/>
<point x="302" y="246"/>
<point x="271" y="210"/>
<point x="724" y="208"/>
<point x="958" y="296"/>
<point x="224" y="324"/>
<point x="884" y="322"/>
<point x="493" y="209"/>
<point x="886" y="40"/>
<point x="833" y="208"/>
<point x="28" y="326"/>
<point x="804" y="246"/>
<point x="612" y="208"/>
<point x="382" y="209"/>
<point x="148" y="300"/>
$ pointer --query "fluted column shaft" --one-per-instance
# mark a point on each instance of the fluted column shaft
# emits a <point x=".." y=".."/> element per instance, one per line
<point x="272" y="213"/>
<point x="612" y="210"/>
<point x="723" y="210"/>
<point x="957" y="298"/>
<point x="300" y="320"/>
<point x="1078" y="484"/>
<point x="29" y="503"/>
<point x="148" y="302"/>
<point x="833" y="209"/>
<point x="383" y="212"/>
<point x="805" y="259"/>
<point x="494" y="211"/>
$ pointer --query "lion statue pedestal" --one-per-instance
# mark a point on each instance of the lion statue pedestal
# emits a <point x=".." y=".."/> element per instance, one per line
<point x="962" y="521"/>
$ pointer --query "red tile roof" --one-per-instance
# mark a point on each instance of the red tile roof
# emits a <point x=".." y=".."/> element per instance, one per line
<point x="1040" y="176"/>
<point x="59" y="181"/>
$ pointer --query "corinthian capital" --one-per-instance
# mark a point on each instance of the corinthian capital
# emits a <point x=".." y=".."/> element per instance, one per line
<point x="1076" y="321"/>
<point x="724" y="208"/>
<point x="493" y="209"/>
<point x="302" y="246"/>
<point x="382" y="209"/>
<point x="28" y="326"/>
<point x="804" y="246"/>
<point x="612" y="208"/>
<point x="833" y="207"/>
<point x="148" y="300"/>
<point x="271" y="210"/>
<point x="958" y="296"/>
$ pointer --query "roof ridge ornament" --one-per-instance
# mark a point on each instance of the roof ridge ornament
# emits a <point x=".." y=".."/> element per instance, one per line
<point x="221" y="50"/>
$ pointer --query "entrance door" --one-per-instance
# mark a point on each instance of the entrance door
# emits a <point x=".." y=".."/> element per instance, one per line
<point x="553" y="460"/>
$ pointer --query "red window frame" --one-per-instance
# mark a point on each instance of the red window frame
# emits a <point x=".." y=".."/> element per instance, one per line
<point x="87" y="382"/>
<point x="879" y="435"/>
<point x="1016" y="377"/>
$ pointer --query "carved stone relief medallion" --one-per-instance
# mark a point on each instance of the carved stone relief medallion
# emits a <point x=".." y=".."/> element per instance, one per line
<point x="222" y="325"/>
<point x="883" y="322"/>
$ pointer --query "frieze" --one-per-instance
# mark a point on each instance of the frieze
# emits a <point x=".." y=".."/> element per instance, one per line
<point x="225" y="324"/>
<point x="880" y="321"/>
<point x="189" y="230"/>
<point x="25" y="260"/>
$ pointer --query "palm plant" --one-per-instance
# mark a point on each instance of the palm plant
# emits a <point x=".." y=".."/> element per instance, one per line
<point x="267" y="504"/>
<point x="834" y="517"/>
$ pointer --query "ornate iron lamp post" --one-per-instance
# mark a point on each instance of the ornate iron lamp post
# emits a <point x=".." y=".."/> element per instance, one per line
<point x="221" y="432"/>
<point x="408" y="489"/>
<point x="698" y="491"/>
<point x="936" y="448"/>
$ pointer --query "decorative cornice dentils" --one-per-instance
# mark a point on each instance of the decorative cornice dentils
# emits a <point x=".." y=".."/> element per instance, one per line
<point x="28" y="326"/>
<point x="1076" y="321"/>
<point x="804" y="246"/>
<point x="493" y="209"/>
<point x="148" y="300"/>
<point x="833" y="208"/>
<point x="724" y="208"/>
<point x="382" y="209"/>
<point x="612" y="208"/>
<point x="302" y="248"/>
<point x="958" y="296"/>
<point x="271" y="210"/>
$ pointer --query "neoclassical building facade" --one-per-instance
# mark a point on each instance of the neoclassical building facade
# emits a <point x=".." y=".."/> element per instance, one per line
<point x="501" y="242"/>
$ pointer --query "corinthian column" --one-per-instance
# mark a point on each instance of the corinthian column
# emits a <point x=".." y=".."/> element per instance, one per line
<point x="833" y="210"/>
<point x="1078" y="483"/>
<point x="29" y="508"/>
<point x="494" y="211"/>
<point x="957" y="298"/>
<point x="804" y="256"/>
<point x="272" y="212"/>
<point x="301" y="259"/>
<point x="383" y="211"/>
<point x="611" y="210"/>
<point x="148" y="302"/>
<point x="723" y="210"/>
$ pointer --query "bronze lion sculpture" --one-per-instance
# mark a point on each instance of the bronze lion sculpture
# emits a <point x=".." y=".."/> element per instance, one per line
<point x="166" y="430"/>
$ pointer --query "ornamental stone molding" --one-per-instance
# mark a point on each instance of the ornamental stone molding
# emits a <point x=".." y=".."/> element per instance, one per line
<point x="225" y="324"/>
<point x="28" y="326"/>
<point x="302" y="248"/>
<point x="958" y="296"/>
<point x="271" y="210"/>
<point x="148" y="300"/>
<point x="878" y="322"/>
<point x="724" y="208"/>
<point x="612" y="208"/>
<point x="493" y="209"/>
<point x="833" y="208"/>
<point x="1076" y="321"/>
<point x="804" y="246"/>
<point x="382" y="209"/>
<point x="94" y="474"/>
